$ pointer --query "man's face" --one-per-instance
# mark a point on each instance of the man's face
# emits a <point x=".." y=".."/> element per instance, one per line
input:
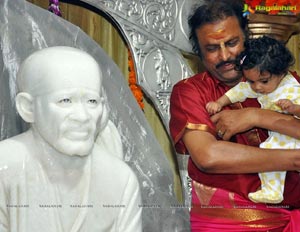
<point x="67" y="115"/>
<point x="220" y="43"/>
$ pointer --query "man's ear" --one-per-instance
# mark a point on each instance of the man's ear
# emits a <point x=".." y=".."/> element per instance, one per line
<point x="24" y="105"/>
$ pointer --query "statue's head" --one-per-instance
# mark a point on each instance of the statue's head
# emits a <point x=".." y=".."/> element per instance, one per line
<point x="60" y="95"/>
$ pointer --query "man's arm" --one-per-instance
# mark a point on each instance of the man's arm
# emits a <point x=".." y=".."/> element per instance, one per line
<point x="237" y="121"/>
<point x="215" y="156"/>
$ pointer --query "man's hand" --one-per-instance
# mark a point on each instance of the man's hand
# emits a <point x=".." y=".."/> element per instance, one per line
<point x="231" y="122"/>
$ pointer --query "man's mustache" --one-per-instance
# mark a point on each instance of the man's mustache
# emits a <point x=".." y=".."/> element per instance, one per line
<point x="224" y="63"/>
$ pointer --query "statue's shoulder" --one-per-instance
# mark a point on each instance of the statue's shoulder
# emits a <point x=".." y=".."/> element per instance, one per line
<point x="13" y="150"/>
<point x="111" y="164"/>
<point x="105" y="155"/>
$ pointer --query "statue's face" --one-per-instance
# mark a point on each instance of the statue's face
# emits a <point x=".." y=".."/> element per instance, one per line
<point x="67" y="113"/>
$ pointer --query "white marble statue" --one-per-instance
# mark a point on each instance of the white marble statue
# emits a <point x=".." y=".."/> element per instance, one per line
<point x="54" y="177"/>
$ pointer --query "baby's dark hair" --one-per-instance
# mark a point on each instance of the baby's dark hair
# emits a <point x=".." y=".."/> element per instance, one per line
<point x="266" y="54"/>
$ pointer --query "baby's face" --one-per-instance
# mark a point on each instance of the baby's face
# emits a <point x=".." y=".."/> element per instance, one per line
<point x="262" y="83"/>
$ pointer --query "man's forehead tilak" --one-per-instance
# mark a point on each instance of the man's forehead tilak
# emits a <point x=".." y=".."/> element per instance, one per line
<point x="218" y="34"/>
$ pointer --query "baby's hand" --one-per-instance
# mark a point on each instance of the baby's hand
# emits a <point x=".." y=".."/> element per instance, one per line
<point x="213" y="107"/>
<point x="285" y="104"/>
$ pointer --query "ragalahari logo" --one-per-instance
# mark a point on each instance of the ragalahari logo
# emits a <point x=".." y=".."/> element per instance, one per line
<point x="275" y="9"/>
<point x="247" y="10"/>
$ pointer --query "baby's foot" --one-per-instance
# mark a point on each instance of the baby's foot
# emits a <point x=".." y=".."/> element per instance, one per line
<point x="262" y="196"/>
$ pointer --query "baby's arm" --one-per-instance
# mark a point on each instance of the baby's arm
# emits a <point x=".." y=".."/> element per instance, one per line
<point x="216" y="106"/>
<point x="289" y="106"/>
